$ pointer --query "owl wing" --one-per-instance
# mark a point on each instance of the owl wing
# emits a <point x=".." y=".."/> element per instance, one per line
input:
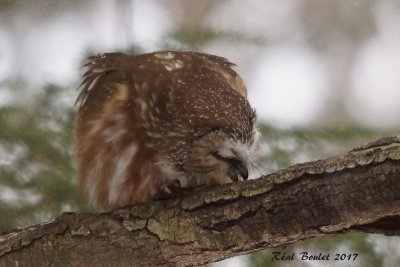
<point x="103" y="70"/>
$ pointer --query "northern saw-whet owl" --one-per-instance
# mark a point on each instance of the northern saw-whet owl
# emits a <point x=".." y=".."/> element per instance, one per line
<point x="158" y="121"/>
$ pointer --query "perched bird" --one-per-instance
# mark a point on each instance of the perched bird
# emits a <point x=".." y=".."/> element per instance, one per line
<point x="150" y="123"/>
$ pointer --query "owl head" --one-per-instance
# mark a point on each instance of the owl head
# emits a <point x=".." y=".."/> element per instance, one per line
<point x="217" y="158"/>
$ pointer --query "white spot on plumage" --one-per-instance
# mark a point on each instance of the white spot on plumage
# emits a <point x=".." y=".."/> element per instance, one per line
<point x="98" y="70"/>
<point x="178" y="64"/>
<point x="168" y="61"/>
<point x="168" y="67"/>
<point x="143" y="106"/>
<point x="164" y="55"/>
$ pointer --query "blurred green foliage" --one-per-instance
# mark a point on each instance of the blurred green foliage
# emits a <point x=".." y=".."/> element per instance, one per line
<point x="200" y="37"/>
<point x="282" y="147"/>
<point x="37" y="179"/>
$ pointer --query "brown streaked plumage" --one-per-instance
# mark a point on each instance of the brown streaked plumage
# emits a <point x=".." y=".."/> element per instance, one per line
<point x="149" y="122"/>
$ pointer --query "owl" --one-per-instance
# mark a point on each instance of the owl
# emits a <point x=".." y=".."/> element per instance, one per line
<point x="157" y="122"/>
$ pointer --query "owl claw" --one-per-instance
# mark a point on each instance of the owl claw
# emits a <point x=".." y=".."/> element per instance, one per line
<point x="168" y="190"/>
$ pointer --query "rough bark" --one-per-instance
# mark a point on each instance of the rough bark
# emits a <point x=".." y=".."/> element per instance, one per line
<point x="357" y="192"/>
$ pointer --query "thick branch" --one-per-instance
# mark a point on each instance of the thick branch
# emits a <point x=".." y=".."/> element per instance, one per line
<point x="360" y="191"/>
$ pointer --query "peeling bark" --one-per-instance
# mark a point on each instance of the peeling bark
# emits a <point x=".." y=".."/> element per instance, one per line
<point x="357" y="192"/>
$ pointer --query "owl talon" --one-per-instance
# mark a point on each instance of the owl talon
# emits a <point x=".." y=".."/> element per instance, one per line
<point x="167" y="190"/>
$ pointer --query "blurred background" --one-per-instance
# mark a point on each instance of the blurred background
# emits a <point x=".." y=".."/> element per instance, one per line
<point x="322" y="75"/>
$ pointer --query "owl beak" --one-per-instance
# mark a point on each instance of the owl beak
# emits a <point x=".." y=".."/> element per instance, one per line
<point x="238" y="172"/>
<point x="243" y="172"/>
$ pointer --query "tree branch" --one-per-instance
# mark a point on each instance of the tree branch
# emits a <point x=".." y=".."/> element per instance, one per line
<point x="357" y="192"/>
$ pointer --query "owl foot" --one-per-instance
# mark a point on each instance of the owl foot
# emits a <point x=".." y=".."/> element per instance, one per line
<point x="169" y="190"/>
